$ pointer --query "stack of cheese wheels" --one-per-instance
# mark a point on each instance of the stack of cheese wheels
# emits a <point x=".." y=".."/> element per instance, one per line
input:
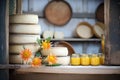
<point x="24" y="30"/>
<point x="60" y="52"/>
<point x="84" y="30"/>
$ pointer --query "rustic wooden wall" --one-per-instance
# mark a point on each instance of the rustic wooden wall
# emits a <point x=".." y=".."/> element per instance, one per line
<point x="114" y="32"/>
<point x="92" y="47"/>
<point x="4" y="73"/>
<point x="78" y="7"/>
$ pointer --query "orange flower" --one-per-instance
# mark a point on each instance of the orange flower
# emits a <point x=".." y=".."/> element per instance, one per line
<point x="26" y="54"/>
<point x="51" y="59"/>
<point x="36" y="62"/>
<point x="46" y="45"/>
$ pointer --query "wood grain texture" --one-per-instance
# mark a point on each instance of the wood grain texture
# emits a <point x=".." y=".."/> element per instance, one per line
<point x="4" y="74"/>
<point x="46" y="76"/>
<point x="114" y="32"/>
<point x="19" y="7"/>
<point x="71" y="69"/>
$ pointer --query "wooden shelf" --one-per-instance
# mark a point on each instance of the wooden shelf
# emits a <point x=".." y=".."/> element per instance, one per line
<point x="74" y="15"/>
<point x="76" y="39"/>
<point x="71" y="69"/>
<point x="9" y="66"/>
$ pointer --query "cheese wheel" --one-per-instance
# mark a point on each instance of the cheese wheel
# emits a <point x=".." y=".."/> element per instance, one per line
<point x="63" y="60"/>
<point x="18" y="39"/>
<point x="58" y="51"/>
<point x="16" y="59"/>
<point x="25" y="29"/>
<point x="98" y="29"/>
<point x="84" y="30"/>
<point x="24" y="18"/>
<point x="58" y="35"/>
<point x="17" y="48"/>
<point x="47" y="34"/>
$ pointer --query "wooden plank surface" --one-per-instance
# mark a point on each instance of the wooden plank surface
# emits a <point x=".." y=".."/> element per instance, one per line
<point x="48" y="76"/>
<point x="71" y="69"/>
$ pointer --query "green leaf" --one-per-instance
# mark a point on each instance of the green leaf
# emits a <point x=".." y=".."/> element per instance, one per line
<point x="39" y="41"/>
<point x="48" y="39"/>
<point x="23" y="47"/>
<point x="53" y="64"/>
<point x="37" y="54"/>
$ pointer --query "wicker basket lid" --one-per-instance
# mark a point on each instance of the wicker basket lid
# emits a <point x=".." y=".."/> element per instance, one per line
<point x="84" y="30"/>
<point x="98" y="29"/>
<point x="58" y="12"/>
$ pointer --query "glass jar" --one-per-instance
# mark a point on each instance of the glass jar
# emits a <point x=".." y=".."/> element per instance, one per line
<point x="95" y="60"/>
<point x="85" y="59"/>
<point x="102" y="59"/>
<point x="75" y="59"/>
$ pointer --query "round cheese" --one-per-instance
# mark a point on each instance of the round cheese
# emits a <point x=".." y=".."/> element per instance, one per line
<point x="18" y="39"/>
<point x="63" y="60"/>
<point x="57" y="51"/>
<point x="84" y="30"/>
<point x="98" y="29"/>
<point x="15" y="59"/>
<point x="58" y="35"/>
<point x="47" y="34"/>
<point x="25" y="29"/>
<point x="17" y="48"/>
<point x="24" y="18"/>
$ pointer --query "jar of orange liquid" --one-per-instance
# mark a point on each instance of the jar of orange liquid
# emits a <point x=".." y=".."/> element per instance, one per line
<point x="85" y="60"/>
<point x="95" y="60"/>
<point x="75" y="59"/>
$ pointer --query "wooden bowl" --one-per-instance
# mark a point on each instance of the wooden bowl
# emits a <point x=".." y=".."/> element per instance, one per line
<point x="100" y="13"/>
<point x="58" y="12"/>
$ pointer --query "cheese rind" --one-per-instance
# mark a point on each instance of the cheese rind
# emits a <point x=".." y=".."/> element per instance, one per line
<point x="18" y="39"/>
<point x="15" y="59"/>
<point x="25" y="29"/>
<point x="59" y="35"/>
<point x="24" y="18"/>
<point x="47" y="34"/>
<point x="63" y="60"/>
<point x="84" y="31"/>
<point x="17" y="48"/>
<point x="98" y="29"/>
<point x="58" y="51"/>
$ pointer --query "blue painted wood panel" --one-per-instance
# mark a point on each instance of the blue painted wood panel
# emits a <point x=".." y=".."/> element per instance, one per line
<point x="3" y="55"/>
